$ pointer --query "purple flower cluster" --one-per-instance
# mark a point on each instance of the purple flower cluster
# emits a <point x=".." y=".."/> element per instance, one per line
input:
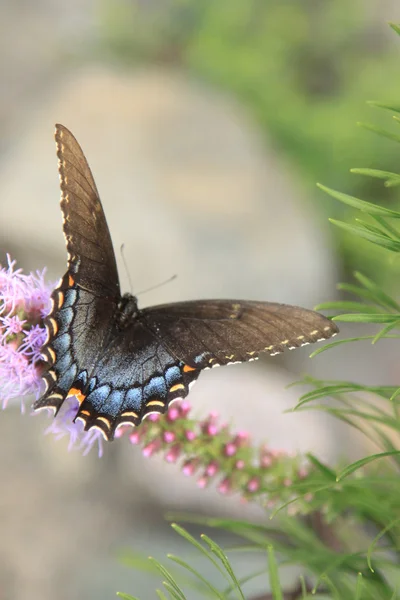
<point x="24" y="302"/>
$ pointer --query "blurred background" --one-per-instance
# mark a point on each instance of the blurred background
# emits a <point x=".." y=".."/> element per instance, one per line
<point x="206" y="125"/>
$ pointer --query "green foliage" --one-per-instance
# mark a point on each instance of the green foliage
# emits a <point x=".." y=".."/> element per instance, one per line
<point x="349" y="541"/>
<point x="301" y="70"/>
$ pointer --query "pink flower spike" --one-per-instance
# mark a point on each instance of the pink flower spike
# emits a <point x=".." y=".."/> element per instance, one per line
<point x="230" y="449"/>
<point x="287" y="482"/>
<point x="278" y="453"/>
<point x="173" y="454"/>
<point x="202" y="482"/>
<point x="190" y="466"/>
<point x="173" y="413"/>
<point x="253" y="485"/>
<point x="22" y="333"/>
<point x="240" y="464"/>
<point x="265" y="462"/>
<point x="169" y="437"/>
<point x="121" y="430"/>
<point x="190" y="435"/>
<point x="225" y="486"/>
<point x="211" y="429"/>
<point x="154" y="417"/>
<point x="134" y="438"/>
<point x="151" y="448"/>
<point x="185" y="408"/>
<point x="211" y="468"/>
<point x="303" y="472"/>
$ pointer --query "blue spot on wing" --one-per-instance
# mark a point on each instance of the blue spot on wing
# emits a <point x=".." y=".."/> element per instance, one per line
<point x="198" y="359"/>
<point x="114" y="403"/>
<point x="99" y="396"/>
<point x="67" y="378"/>
<point x="61" y="343"/>
<point x="64" y="362"/>
<point x="133" y="399"/>
<point x="156" y="388"/>
<point x="82" y="378"/>
<point x="69" y="298"/>
<point x="64" y="319"/>
<point x="172" y="375"/>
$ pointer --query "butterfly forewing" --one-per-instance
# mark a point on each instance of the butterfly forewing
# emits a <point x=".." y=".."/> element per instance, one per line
<point x="86" y="300"/>
<point x="121" y="363"/>
<point x="210" y="332"/>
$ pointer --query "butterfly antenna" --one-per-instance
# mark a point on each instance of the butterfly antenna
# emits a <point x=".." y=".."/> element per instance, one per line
<point x="154" y="287"/>
<point x="122" y="250"/>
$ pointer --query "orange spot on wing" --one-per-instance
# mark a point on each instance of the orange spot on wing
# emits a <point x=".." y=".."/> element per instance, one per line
<point x="78" y="394"/>
<point x="70" y="280"/>
<point x="60" y="299"/>
<point x="187" y="369"/>
<point x="54" y="326"/>
<point x="52" y="354"/>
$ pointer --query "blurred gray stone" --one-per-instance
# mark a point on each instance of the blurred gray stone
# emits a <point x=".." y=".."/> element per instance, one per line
<point x="186" y="184"/>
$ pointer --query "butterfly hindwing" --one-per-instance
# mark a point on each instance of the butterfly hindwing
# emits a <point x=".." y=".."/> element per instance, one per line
<point x="135" y="376"/>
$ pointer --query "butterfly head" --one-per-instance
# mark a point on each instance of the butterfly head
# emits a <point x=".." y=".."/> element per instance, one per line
<point x="127" y="310"/>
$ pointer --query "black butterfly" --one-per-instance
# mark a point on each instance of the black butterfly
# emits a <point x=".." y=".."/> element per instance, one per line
<point x="122" y="363"/>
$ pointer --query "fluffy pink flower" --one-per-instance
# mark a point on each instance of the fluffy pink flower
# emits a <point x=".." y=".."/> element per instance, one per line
<point x="24" y="301"/>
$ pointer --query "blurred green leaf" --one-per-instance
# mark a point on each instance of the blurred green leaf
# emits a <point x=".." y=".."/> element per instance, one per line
<point x="385" y="330"/>
<point x="217" y="550"/>
<point x="346" y="305"/>
<point x="387" y="134"/>
<point x="326" y="471"/>
<point x="170" y="582"/>
<point x="350" y="340"/>
<point x="376" y="540"/>
<point x="393" y="178"/>
<point x="274" y="575"/>
<point x="395" y="27"/>
<point x="380" y="240"/>
<point x="362" y="205"/>
<point x="378" y="294"/>
<point x="193" y="571"/>
<point x="186" y="535"/>
<point x="172" y="590"/>
<point x="362" y="462"/>
<point x="391" y="107"/>
<point x="359" y="587"/>
<point x="367" y="318"/>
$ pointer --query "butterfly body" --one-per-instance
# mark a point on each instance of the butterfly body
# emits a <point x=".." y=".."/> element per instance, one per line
<point x="123" y="363"/>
